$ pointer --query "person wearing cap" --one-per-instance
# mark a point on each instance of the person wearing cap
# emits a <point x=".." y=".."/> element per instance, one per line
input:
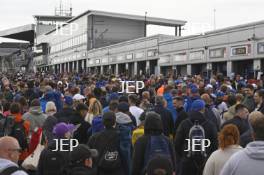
<point x="104" y="139"/>
<point x="81" y="161"/>
<point x="78" y="98"/>
<point x="194" y="95"/>
<point x="188" y="165"/>
<point x="52" y="159"/>
<point x="152" y="127"/>
<point x="67" y="113"/>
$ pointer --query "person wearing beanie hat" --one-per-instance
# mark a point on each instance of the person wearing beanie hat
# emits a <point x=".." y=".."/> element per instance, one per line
<point x="153" y="129"/>
<point x="197" y="114"/>
<point x="123" y="116"/>
<point x="51" y="121"/>
<point x="68" y="100"/>
<point x="198" y="106"/>
<point x="55" y="157"/>
<point x="63" y="130"/>
<point x="81" y="161"/>
<point x="108" y="140"/>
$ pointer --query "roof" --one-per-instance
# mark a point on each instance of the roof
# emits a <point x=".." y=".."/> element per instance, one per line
<point x="7" y="51"/>
<point x="25" y="33"/>
<point x="54" y="17"/>
<point x="149" y="20"/>
<point x="13" y="45"/>
<point x="251" y="24"/>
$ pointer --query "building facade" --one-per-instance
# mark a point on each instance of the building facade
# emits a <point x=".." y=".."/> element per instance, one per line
<point x="105" y="42"/>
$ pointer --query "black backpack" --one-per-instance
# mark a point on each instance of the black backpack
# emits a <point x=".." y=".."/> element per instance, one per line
<point x="158" y="145"/>
<point x="110" y="159"/>
<point x="6" y="124"/>
<point x="55" y="162"/>
<point x="18" y="131"/>
<point x="197" y="132"/>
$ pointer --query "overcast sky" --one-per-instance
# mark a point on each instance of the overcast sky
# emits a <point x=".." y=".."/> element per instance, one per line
<point x="199" y="14"/>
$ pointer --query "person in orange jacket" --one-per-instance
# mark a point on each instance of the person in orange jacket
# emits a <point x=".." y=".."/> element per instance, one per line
<point x="17" y="117"/>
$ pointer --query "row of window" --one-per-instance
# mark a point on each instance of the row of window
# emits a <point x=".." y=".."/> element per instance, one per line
<point x="240" y="50"/>
<point x="69" y="43"/>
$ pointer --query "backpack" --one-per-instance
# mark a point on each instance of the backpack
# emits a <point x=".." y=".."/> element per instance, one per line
<point x="157" y="145"/>
<point x="18" y="131"/>
<point x="9" y="170"/>
<point x="54" y="163"/>
<point x="97" y="124"/>
<point x="196" y="132"/>
<point x="125" y="144"/>
<point x="110" y="159"/>
<point x="6" y="124"/>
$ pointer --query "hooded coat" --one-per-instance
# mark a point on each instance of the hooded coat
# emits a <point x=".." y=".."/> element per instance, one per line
<point x="44" y="166"/>
<point x="167" y="120"/>
<point x="187" y="165"/>
<point x="170" y="107"/>
<point x="247" y="161"/>
<point x="151" y="128"/>
<point x="35" y="117"/>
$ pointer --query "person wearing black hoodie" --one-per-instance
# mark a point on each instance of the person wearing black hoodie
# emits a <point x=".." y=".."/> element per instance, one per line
<point x="191" y="165"/>
<point x="106" y="139"/>
<point x="166" y="116"/>
<point x="81" y="134"/>
<point x="81" y="162"/>
<point x="55" y="158"/>
<point x="152" y="127"/>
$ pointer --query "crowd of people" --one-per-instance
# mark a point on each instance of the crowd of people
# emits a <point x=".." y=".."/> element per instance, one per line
<point x="175" y="125"/>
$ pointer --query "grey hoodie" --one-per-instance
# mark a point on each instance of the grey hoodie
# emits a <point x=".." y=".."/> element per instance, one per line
<point x="4" y="163"/>
<point x="247" y="161"/>
<point x="35" y="117"/>
<point x="122" y="118"/>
